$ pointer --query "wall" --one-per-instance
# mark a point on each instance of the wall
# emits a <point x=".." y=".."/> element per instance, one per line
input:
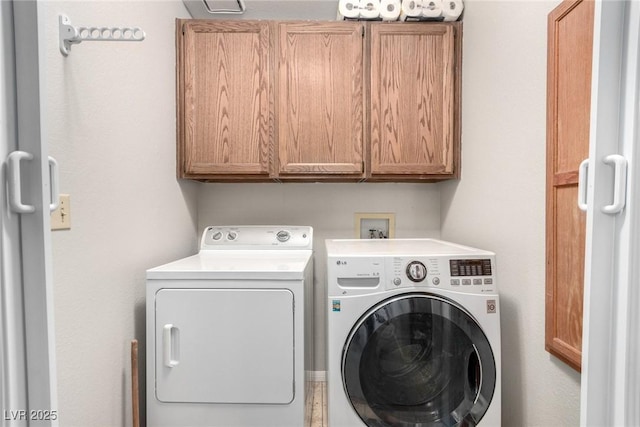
<point x="329" y="209"/>
<point x="499" y="203"/>
<point x="109" y="110"/>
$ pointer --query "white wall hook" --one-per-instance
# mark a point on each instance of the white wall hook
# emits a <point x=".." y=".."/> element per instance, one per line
<point x="71" y="35"/>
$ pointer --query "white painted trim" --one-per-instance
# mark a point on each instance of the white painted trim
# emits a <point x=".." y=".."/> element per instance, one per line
<point x="610" y="343"/>
<point x="35" y="227"/>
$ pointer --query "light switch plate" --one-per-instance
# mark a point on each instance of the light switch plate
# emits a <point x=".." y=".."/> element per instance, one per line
<point x="61" y="217"/>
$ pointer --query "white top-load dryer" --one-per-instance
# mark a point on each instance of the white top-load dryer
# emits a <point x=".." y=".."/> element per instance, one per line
<point x="229" y="330"/>
<point x="413" y="334"/>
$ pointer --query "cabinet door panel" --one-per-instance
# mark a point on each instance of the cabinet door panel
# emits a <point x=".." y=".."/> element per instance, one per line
<point x="569" y="271"/>
<point x="570" y="40"/>
<point x="226" y="98"/>
<point x="320" y="98"/>
<point x="413" y="98"/>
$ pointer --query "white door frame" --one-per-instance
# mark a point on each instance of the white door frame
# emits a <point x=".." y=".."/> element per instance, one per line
<point x="13" y="389"/>
<point x="35" y="236"/>
<point x="610" y="367"/>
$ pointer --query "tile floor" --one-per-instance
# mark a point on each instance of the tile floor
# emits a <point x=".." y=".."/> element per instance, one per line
<point x="317" y="413"/>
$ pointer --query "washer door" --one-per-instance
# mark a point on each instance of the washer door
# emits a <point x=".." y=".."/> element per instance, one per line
<point x="418" y="360"/>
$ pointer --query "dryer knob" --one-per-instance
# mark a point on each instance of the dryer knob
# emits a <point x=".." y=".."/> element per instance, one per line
<point x="283" y="236"/>
<point x="416" y="271"/>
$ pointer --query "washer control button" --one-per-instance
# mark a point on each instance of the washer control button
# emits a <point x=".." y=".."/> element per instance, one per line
<point x="455" y="282"/>
<point x="283" y="236"/>
<point x="488" y="281"/>
<point x="466" y="282"/>
<point x="232" y="235"/>
<point x="217" y="235"/>
<point x="477" y="281"/>
<point x="436" y="281"/>
<point x="397" y="281"/>
<point x="416" y="271"/>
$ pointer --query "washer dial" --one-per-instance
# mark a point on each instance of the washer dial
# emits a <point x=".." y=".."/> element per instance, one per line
<point x="416" y="271"/>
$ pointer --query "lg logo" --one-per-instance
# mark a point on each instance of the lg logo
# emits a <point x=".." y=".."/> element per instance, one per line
<point x="341" y="262"/>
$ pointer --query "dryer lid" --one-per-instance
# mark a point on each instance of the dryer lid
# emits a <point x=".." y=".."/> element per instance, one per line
<point x="236" y="265"/>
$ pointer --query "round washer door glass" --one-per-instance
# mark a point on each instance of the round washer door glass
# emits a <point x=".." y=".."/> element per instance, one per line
<point x="418" y="360"/>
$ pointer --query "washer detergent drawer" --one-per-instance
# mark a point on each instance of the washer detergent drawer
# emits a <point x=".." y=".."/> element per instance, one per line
<point x="224" y="346"/>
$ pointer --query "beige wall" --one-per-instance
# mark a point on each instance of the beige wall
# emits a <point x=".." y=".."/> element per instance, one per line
<point x="329" y="209"/>
<point x="109" y="111"/>
<point x="499" y="203"/>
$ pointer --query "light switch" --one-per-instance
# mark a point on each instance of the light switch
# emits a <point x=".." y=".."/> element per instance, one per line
<point x="61" y="217"/>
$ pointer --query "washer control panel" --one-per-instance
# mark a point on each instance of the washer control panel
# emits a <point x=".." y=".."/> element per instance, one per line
<point x="257" y="237"/>
<point x="473" y="275"/>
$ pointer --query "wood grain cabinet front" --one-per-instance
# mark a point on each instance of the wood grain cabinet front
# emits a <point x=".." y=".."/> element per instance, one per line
<point x="225" y="99"/>
<point x="415" y="100"/>
<point x="320" y="98"/>
<point x="314" y="100"/>
<point x="570" y="40"/>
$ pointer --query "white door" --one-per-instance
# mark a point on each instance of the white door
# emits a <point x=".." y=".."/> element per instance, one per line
<point x="12" y="357"/>
<point x="610" y="183"/>
<point x="27" y="367"/>
<point x="225" y="345"/>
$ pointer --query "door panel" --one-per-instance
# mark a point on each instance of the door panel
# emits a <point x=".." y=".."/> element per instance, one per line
<point x="226" y="98"/>
<point x="413" y="98"/>
<point x="321" y="98"/>
<point x="35" y="238"/>
<point x="13" y="379"/>
<point x="225" y="345"/>
<point x="609" y="387"/>
<point x="570" y="40"/>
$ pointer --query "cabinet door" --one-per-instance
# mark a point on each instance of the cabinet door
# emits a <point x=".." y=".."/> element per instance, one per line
<point x="320" y="98"/>
<point x="570" y="40"/>
<point x="224" y="98"/>
<point x="415" y="111"/>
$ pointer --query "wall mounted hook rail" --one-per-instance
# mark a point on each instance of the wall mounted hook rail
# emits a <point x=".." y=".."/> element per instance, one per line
<point x="73" y="35"/>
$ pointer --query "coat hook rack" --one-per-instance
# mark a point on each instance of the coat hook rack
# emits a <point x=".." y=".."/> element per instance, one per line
<point x="73" y="35"/>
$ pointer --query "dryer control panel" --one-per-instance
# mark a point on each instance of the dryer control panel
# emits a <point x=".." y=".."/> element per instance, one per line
<point x="257" y="237"/>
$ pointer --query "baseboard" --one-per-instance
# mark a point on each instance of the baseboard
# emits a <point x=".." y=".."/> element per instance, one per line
<point x="320" y="376"/>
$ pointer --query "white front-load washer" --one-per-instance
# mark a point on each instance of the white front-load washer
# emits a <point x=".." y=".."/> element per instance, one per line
<point x="229" y="330"/>
<point x="413" y="332"/>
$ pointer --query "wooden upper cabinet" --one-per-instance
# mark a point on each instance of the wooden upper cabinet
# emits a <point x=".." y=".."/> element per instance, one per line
<point x="224" y="98"/>
<point x="314" y="100"/>
<point x="320" y="98"/>
<point x="570" y="40"/>
<point x="415" y="98"/>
